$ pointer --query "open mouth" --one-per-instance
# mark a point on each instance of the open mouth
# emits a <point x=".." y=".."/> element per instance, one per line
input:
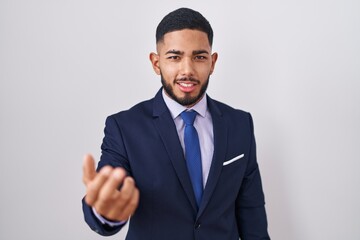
<point x="187" y="86"/>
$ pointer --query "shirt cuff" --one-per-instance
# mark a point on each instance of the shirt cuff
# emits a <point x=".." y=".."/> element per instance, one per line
<point x="105" y="221"/>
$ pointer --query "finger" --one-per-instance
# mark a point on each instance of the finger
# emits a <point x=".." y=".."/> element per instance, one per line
<point x="126" y="193"/>
<point x="123" y="211"/>
<point x="127" y="189"/>
<point x="110" y="187"/>
<point x="88" y="169"/>
<point x="94" y="186"/>
<point x="130" y="206"/>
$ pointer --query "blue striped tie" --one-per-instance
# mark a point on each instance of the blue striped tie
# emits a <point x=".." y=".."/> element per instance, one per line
<point x="193" y="154"/>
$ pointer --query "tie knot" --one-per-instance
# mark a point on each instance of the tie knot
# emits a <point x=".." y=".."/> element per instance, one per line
<point x="188" y="117"/>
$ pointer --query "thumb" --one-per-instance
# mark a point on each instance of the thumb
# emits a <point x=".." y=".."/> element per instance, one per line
<point x="88" y="169"/>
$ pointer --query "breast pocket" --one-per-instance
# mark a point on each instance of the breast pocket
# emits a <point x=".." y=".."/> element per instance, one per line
<point x="233" y="160"/>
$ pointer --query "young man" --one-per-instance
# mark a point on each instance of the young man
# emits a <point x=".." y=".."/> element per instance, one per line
<point x="181" y="165"/>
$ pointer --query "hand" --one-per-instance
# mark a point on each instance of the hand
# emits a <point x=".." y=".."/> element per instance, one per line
<point x="102" y="191"/>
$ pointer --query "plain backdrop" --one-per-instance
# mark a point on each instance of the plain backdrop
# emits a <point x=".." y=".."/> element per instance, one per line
<point x="295" y="65"/>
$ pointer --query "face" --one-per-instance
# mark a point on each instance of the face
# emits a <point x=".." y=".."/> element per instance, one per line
<point x="185" y="62"/>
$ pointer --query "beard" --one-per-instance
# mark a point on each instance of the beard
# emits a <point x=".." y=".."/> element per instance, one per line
<point x="187" y="100"/>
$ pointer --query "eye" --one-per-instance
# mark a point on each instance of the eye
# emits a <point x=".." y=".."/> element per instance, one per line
<point x="174" y="57"/>
<point x="200" y="57"/>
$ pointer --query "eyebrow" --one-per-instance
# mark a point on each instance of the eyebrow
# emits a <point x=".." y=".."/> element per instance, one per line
<point x="177" y="52"/>
<point x="196" y="52"/>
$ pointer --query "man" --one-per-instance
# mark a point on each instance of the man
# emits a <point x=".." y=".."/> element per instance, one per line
<point x="181" y="165"/>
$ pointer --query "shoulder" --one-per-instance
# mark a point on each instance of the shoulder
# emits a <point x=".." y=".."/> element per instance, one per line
<point x="140" y="111"/>
<point x="233" y="116"/>
<point x="238" y="123"/>
<point x="227" y="110"/>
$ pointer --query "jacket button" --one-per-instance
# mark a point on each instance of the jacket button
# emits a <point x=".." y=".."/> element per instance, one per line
<point x="197" y="225"/>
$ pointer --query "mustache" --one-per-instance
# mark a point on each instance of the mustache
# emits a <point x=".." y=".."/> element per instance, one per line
<point x="188" y="79"/>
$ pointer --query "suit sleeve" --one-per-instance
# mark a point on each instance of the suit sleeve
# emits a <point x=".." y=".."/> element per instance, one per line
<point x="250" y="204"/>
<point x="113" y="154"/>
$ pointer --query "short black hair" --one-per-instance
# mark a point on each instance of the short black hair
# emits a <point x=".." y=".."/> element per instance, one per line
<point x="183" y="18"/>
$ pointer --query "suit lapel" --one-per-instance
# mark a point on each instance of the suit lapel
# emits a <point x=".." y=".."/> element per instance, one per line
<point x="167" y="130"/>
<point x="220" y="143"/>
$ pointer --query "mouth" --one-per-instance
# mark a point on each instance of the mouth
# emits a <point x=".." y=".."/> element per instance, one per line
<point x="187" y="87"/>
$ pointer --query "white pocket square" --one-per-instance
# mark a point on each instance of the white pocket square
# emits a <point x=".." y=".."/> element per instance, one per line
<point x="233" y="159"/>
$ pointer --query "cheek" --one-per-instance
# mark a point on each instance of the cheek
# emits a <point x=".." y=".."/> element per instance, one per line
<point x="168" y="72"/>
<point x="204" y="71"/>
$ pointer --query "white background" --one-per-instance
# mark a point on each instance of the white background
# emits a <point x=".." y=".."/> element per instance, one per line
<point x="66" y="65"/>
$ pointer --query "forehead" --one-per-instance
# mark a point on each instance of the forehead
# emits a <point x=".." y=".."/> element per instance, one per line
<point x="184" y="40"/>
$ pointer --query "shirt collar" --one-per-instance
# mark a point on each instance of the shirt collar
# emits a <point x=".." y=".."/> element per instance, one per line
<point x="175" y="108"/>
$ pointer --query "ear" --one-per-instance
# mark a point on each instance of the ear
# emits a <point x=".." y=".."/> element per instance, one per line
<point x="214" y="58"/>
<point x="154" y="58"/>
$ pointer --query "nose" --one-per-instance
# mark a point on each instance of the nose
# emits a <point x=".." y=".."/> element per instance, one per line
<point x="187" y="67"/>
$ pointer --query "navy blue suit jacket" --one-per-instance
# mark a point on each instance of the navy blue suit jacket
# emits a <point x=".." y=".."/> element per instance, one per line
<point x="144" y="141"/>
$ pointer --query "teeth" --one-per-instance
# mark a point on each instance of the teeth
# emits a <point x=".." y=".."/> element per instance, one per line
<point x="186" y="84"/>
